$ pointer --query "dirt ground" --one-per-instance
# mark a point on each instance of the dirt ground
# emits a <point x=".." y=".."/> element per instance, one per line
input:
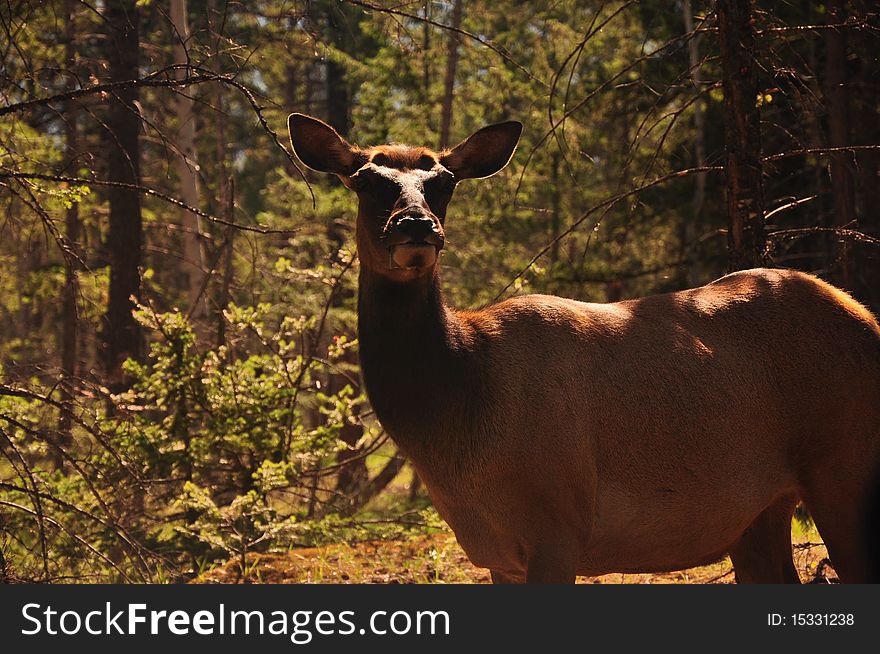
<point x="438" y="559"/>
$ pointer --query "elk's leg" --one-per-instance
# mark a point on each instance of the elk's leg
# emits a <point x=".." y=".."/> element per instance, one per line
<point x="552" y="563"/>
<point x="840" y="516"/>
<point x="843" y="497"/>
<point x="499" y="577"/>
<point x="762" y="555"/>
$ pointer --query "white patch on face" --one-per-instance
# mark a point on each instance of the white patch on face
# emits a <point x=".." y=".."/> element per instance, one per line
<point x="411" y="182"/>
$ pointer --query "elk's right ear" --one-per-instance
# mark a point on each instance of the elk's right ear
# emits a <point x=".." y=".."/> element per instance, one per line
<point x="320" y="147"/>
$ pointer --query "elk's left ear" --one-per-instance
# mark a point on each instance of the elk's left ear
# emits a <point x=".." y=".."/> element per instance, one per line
<point x="320" y="147"/>
<point x="484" y="152"/>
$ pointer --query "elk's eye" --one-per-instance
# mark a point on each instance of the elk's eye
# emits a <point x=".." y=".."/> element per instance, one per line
<point x="364" y="177"/>
<point x="369" y="181"/>
<point x="441" y="184"/>
<point x="359" y="181"/>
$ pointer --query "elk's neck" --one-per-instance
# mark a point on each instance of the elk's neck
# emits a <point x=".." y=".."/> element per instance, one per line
<point x="418" y="363"/>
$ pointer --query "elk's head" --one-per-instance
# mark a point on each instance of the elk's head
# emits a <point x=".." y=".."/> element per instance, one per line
<point x="402" y="191"/>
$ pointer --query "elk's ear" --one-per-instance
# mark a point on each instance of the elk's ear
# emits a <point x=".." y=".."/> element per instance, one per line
<point x="320" y="147"/>
<point x="484" y="152"/>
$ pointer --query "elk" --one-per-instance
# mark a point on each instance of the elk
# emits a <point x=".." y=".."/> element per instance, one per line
<point x="561" y="438"/>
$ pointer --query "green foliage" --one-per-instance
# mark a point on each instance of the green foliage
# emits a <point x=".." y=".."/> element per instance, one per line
<point x="221" y="447"/>
<point x="240" y="527"/>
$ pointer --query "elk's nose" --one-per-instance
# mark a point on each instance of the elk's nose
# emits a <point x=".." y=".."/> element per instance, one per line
<point x="414" y="226"/>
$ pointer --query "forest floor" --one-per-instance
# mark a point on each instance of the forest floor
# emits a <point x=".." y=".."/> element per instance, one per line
<point x="437" y="558"/>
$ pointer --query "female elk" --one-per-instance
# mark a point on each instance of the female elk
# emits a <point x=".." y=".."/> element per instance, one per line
<point x="560" y="437"/>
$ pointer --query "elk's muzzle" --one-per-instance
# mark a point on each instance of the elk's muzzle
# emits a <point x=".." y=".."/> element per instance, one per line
<point x="413" y="238"/>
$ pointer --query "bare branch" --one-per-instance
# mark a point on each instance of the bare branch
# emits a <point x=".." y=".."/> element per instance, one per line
<point x="841" y="232"/>
<point x="146" y="191"/>
<point x="494" y="48"/>
<point x="797" y="153"/>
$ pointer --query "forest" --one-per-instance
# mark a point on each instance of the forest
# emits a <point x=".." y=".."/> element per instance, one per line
<point x="180" y="392"/>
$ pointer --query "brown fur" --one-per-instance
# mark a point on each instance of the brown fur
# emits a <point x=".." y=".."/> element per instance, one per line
<point x="559" y="437"/>
<point x="402" y="157"/>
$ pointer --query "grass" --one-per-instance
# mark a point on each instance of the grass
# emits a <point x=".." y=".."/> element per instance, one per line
<point x="437" y="558"/>
<point x="426" y="558"/>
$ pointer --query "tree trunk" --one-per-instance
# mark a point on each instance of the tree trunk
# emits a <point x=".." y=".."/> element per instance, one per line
<point x="867" y="117"/>
<point x="449" y="81"/>
<point x="689" y="228"/>
<point x="555" y="208"/>
<point x="837" y="104"/>
<point x="69" y="319"/>
<point x="228" y="263"/>
<point x="426" y="55"/>
<point x="226" y="195"/>
<point x="121" y="334"/>
<point x="338" y="100"/>
<point x="187" y="165"/>
<point x="742" y="136"/>
<point x="378" y="483"/>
